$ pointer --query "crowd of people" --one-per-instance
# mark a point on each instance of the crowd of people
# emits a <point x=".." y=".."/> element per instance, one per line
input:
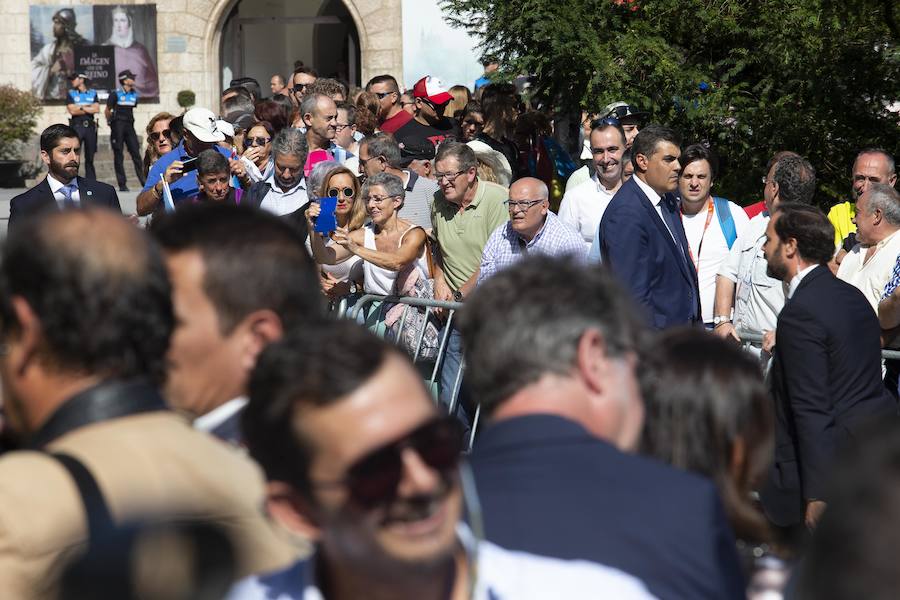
<point x="681" y="396"/>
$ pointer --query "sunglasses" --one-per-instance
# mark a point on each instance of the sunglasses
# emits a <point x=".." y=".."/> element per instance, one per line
<point x="383" y="95"/>
<point x="606" y="121"/>
<point x="154" y="136"/>
<point x="372" y="480"/>
<point x="345" y="192"/>
<point x="299" y="87"/>
<point x="259" y="141"/>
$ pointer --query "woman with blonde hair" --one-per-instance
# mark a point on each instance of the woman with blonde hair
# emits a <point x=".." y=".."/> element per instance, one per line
<point x="160" y="139"/>
<point x="456" y="107"/>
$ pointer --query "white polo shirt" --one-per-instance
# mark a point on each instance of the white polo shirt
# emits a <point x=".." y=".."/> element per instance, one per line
<point x="582" y="208"/>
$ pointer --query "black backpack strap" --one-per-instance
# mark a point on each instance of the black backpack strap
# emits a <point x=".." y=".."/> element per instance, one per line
<point x="99" y="519"/>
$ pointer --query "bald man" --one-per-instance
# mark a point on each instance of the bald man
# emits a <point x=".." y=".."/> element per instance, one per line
<point x="531" y="229"/>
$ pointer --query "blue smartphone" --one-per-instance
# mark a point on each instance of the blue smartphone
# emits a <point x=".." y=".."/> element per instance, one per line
<point x="326" y="222"/>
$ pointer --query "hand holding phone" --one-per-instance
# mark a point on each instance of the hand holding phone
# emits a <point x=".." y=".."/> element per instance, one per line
<point x="326" y="222"/>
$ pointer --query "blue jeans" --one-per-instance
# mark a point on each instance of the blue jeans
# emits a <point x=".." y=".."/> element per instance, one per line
<point x="453" y="357"/>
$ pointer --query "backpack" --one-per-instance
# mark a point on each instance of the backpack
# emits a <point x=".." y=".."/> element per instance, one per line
<point x="726" y="220"/>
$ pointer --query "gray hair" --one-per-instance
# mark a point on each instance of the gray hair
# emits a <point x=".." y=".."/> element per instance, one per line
<point x="290" y="141"/>
<point x="463" y="154"/>
<point x="527" y="321"/>
<point x="393" y="185"/>
<point x="317" y="177"/>
<point x="310" y="104"/>
<point x="887" y="157"/>
<point x="886" y="199"/>
<point x="384" y="145"/>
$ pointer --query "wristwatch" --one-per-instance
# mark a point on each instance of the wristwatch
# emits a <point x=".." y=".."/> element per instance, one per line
<point x="719" y="319"/>
<point x="353" y="287"/>
<point x="457" y="296"/>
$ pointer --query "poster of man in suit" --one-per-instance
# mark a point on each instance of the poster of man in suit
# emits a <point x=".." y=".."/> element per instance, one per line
<point x="99" y="40"/>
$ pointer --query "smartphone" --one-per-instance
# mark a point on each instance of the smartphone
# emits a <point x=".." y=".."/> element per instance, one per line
<point x="190" y="164"/>
<point x="326" y="221"/>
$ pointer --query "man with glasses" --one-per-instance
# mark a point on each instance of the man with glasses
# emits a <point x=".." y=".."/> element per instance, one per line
<point x="358" y="459"/>
<point x="408" y="102"/>
<point x="430" y="125"/>
<point x="582" y="206"/>
<point x="346" y="136"/>
<point x="381" y="154"/>
<point x="532" y="229"/>
<point x="391" y="115"/>
<point x="465" y="212"/>
<point x="300" y="80"/>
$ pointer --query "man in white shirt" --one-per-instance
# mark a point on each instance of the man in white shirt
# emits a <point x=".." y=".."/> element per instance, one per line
<point x="869" y="264"/>
<point x="286" y="186"/>
<point x="240" y="278"/>
<point x="583" y="206"/>
<point x="359" y="459"/>
<point x="711" y="224"/>
<point x="747" y="297"/>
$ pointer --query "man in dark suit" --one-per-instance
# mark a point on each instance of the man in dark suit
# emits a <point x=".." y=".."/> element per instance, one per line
<point x="643" y="239"/>
<point x="552" y="352"/>
<point x="62" y="188"/>
<point x="228" y="266"/>
<point x="826" y="373"/>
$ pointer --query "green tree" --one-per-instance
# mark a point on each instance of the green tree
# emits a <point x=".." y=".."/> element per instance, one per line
<point x="751" y="77"/>
<point x="18" y="117"/>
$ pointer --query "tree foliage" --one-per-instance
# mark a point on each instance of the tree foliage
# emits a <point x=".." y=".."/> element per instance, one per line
<point x="18" y="117"/>
<point x="751" y="77"/>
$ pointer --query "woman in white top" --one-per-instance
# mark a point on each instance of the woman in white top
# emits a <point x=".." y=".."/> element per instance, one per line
<point x="339" y="277"/>
<point x="387" y="245"/>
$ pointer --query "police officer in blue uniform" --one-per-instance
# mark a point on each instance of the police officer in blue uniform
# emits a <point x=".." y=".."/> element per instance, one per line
<point x="120" y="116"/>
<point x="82" y="104"/>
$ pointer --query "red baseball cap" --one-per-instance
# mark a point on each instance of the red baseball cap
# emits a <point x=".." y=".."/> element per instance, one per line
<point x="432" y="89"/>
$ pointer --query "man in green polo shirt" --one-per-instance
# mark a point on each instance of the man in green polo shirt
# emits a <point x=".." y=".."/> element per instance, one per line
<point x="465" y="213"/>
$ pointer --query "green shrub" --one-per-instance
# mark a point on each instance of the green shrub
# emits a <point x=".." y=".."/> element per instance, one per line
<point x="18" y="118"/>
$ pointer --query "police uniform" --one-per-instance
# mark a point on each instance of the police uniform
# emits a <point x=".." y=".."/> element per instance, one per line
<point x="122" y="135"/>
<point x="86" y="127"/>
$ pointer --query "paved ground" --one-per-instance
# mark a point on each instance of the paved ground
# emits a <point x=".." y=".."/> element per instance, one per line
<point x="126" y="199"/>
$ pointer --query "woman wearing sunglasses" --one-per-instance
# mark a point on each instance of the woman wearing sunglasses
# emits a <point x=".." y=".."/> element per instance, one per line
<point x="338" y="278"/>
<point x="160" y="139"/>
<point x="257" y="157"/>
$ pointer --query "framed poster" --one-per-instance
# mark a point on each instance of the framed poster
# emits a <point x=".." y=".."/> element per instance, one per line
<point x="68" y="39"/>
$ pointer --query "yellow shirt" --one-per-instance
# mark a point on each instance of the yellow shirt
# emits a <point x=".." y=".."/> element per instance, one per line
<point x="840" y="216"/>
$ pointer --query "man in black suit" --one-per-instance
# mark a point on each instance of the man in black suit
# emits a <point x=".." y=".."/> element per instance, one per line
<point x="642" y="237"/>
<point x="826" y="373"/>
<point x="241" y="277"/>
<point x="62" y="188"/>
<point x="552" y="355"/>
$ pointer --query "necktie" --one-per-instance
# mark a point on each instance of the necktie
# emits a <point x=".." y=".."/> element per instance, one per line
<point x="67" y="191"/>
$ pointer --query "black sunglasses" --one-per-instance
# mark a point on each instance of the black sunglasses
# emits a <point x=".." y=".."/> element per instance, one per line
<point x="299" y="87"/>
<point x="154" y="136"/>
<point x="372" y="480"/>
<point x="259" y="141"/>
<point x="346" y="192"/>
<point x="606" y="121"/>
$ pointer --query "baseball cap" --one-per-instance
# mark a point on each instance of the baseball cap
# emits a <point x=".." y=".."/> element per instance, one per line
<point x="621" y="110"/>
<point x="201" y="122"/>
<point x="432" y="89"/>
<point x="410" y="152"/>
<point x="225" y="128"/>
<point x="126" y="74"/>
<point x="75" y="76"/>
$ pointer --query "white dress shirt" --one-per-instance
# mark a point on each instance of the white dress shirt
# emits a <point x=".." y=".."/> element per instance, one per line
<point x="56" y="187"/>
<point x="656" y="200"/>
<point x="582" y="208"/>
<point x="796" y="279"/>
<point x="219" y="414"/>
<point x="870" y="276"/>
<point x="284" y="202"/>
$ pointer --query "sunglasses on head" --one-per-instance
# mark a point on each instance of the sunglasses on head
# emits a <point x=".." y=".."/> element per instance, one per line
<point x="259" y="141"/>
<point x="373" y="480"/>
<point x="345" y="192"/>
<point x="606" y="121"/>
<point x="154" y="136"/>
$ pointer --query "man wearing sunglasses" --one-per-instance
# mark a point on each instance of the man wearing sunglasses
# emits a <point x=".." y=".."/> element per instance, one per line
<point x="430" y="126"/>
<point x="359" y="460"/>
<point x="301" y="79"/>
<point x="391" y="115"/>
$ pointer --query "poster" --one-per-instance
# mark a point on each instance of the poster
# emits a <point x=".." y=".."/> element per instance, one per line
<point x="63" y="35"/>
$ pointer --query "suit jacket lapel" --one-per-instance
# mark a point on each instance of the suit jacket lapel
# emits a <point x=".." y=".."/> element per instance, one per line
<point x="664" y="231"/>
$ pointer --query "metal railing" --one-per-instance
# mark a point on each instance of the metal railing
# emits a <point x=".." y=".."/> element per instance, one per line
<point x="756" y="338"/>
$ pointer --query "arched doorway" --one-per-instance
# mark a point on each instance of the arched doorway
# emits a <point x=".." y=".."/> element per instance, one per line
<point x="262" y="37"/>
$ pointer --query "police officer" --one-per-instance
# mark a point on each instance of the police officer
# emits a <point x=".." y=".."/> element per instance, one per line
<point x="120" y="116"/>
<point x="82" y="105"/>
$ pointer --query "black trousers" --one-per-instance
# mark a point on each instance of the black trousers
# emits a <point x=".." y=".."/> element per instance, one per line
<point x="87" y="133"/>
<point x="123" y="136"/>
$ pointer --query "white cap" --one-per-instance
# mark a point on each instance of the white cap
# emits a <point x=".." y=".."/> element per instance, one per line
<point x="201" y="122"/>
<point x="494" y="159"/>
<point x="226" y="128"/>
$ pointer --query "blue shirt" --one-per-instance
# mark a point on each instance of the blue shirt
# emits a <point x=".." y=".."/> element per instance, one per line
<point x="186" y="186"/>
<point x="123" y="104"/>
<point x="85" y="98"/>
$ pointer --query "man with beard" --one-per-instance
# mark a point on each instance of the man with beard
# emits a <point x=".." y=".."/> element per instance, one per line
<point x="826" y="372"/>
<point x="582" y="206"/>
<point x="430" y="126"/>
<point x="62" y="188"/>
<point x="358" y="459"/>
<point x="55" y="62"/>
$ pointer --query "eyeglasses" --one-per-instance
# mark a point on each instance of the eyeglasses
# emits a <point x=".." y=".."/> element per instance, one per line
<point x="259" y="141"/>
<point x="345" y="192"/>
<point x="366" y="161"/>
<point x="606" y="121"/>
<point x="407" y="103"/>
<point x="155" y="135"/>
<point x="379" y="199"/>
<point x="383" y="95"/>
<point x="520" y="205"/>
<point x="448" y="176"/>
<point x="373" y="479"/>
<point x="342" y="126"/>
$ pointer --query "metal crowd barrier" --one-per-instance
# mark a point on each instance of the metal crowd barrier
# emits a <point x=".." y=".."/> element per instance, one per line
<point x="756" y="338"/>
<point x="357" y="312"/>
